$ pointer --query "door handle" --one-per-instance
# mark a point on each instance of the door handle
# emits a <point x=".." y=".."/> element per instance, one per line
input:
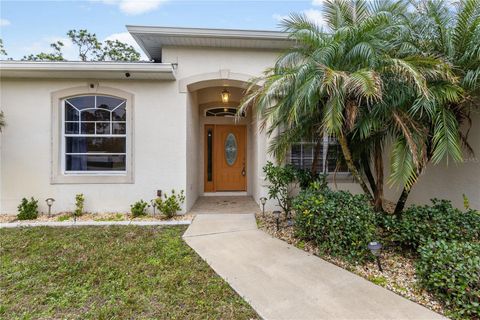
<point x="243" y="169"/>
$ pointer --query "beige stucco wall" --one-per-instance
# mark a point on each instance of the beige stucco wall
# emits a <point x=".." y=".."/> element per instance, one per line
<point x="168" y="138"/>
<point x="158" y="146"/>
<point x="450" y="180"/>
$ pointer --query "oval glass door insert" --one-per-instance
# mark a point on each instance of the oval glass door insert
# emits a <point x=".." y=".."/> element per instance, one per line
<point x="231" y="149"/>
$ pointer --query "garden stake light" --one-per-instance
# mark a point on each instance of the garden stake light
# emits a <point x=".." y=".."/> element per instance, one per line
<point x="375" y="247"/>
<point x="49" y="202"/>
<point x="154" y="205"/>
<point x="277" y="218"/>
<point x="263" y="200"/>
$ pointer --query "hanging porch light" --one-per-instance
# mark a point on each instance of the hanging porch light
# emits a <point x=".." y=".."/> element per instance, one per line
<point x="225" y="96"/>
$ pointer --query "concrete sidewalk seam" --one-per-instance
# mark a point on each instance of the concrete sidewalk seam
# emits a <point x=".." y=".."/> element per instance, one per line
<point x="214" y="233"/>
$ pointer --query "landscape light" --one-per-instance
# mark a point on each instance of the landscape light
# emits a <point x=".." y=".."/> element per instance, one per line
<point x="154" y="205"/>
<point x="263" y="201"/>
<point x="375" y="248"/>
<point x="49" y="202"/>
<point x="277" y="218"/>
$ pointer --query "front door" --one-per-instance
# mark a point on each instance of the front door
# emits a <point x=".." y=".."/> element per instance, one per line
<point x="229" y="158"/>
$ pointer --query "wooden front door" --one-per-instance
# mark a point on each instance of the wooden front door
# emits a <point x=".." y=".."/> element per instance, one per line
<point x="228" y="158"/>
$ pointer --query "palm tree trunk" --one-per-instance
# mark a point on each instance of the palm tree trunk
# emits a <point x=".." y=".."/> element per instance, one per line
<point x="401" y="202"/>
<point x="316" y="153"/>
<point x="368" y="172"/>
<point x="353" y="170"/>
<point x="378" y="163"/>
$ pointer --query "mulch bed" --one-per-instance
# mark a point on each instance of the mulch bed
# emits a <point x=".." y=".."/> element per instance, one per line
<point x="67" y="216"/>
<point x="398" y="266"/>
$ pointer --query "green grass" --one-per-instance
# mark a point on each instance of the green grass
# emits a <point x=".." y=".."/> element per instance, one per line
<point x="64" y="218"/>
<point x="116" y="272"/>
<point x="381" y="281"/>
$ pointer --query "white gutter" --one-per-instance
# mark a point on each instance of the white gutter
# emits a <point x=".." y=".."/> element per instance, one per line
<point x="80" y="69"/>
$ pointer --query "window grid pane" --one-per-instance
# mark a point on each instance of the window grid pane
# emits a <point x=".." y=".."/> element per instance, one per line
<point x="95" y="139"/>
<point x="329" y="156"/>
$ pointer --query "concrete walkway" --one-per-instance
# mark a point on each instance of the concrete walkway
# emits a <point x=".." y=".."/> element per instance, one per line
<point x="283" y="282"/>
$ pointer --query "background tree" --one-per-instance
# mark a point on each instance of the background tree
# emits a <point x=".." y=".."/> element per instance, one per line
<point x="2" y="49"/>
<point x="42" y="56"/>
<point x="2" y="120"/>
<point x="89" y="49"/>
<point x="118" y="51"/>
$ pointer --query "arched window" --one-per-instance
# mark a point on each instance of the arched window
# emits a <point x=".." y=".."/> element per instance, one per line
<point x="94" y="134"/>
<point x="222" y="112"/>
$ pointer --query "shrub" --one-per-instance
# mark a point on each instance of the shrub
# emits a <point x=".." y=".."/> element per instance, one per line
<point x="341" y="223"/>
<point x="28" y="210"/>
<point x="171" y="204"/>
<point x="440" y="221"/>
<point x="139" y="208"/>
<point x="280" y="187"/>
<point x="79" y="201"/>
<point x="451" y="270"/>
<point x="306" y="178"/>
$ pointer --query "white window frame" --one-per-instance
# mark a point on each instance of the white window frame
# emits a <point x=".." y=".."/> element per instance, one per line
<point x="65" y="135"/>
<point x="326" y="142"/>
<point x="58" y="173"/>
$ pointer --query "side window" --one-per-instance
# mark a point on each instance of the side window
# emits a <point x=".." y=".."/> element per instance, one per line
<point x="327" y="156"/>
<point x="94" y="134"/>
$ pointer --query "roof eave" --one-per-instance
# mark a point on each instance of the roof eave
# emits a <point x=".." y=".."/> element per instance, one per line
<point x="80" y="69"/>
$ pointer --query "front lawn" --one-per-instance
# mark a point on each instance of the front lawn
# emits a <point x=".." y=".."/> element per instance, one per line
<point x="115" y="272"/>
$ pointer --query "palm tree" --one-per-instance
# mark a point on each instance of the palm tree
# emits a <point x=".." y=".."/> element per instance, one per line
<point x="342" y="76"/>
<point x="454" y="34"/>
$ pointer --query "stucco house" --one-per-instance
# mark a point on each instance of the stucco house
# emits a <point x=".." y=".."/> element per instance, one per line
<point x="120" y="132"/>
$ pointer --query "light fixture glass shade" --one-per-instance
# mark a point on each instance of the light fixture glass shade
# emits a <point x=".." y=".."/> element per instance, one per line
<point x="375" y="247"/>
<point x="49" y="201"/>
<point x="263" y="200"/>
<point x="225" y="96"/>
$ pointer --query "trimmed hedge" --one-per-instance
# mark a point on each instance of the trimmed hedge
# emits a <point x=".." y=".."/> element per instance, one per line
<point x="419" y="225"/>
<point x="341" y="223"/>
<point x="451" y="270"/>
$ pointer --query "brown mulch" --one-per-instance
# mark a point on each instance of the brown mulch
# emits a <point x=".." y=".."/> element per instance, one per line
<point x="398" y="267"/>
<point x="114" y="216"/>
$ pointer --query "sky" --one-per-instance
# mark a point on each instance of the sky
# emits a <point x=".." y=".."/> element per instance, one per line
<point x="28" y="27"/>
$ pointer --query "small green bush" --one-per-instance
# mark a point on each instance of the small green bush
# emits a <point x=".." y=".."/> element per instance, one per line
<point x="440" y="221"/>
<point x="341" y="223"/>
<point x="28" y="210"/>
<point x="139" y="208"/>
<point x="79" y="202"/>
<point x="451" y="270"/>
<point x="170" y="205"/>
<point x="281" y="180"/>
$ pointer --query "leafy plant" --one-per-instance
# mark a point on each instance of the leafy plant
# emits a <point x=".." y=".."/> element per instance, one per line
<point x="139" y="208"/>
<point x="305" y="178"/>
<point x="439" y="221"/>
<point x="28" y="210"/>
<point x="79" y="203"/>
<point x="451" y="270"/>
<point x="281" y="182"/>
<point x="340" y="223"/>
<point x="170" y="205"/>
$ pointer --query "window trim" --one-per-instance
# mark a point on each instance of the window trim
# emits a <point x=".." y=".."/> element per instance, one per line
<point x="327" y="141"/>
<point x="95" y="135"/>
<point x="58" y="173"/>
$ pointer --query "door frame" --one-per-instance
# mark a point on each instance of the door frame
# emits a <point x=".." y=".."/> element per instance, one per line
<point x="209" y="186"/>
